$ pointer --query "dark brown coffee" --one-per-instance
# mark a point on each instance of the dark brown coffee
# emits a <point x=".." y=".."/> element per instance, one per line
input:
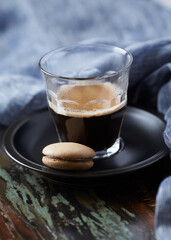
<point x="91" y="115"/>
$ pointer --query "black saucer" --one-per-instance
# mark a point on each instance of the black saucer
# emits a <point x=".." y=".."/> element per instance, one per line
<point x="143" y="145"/>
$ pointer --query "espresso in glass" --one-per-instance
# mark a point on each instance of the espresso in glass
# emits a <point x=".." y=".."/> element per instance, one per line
<point x="92" y="115"/>
<point x="88" y="109"/>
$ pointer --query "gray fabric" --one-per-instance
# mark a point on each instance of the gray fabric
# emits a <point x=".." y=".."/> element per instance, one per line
<point x="28" y="29"/>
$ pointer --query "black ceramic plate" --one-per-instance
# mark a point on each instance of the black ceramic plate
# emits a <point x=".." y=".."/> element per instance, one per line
<point x="143" y="145"/>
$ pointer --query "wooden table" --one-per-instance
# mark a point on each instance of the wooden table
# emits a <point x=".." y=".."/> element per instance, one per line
<point x="33" y="207"/>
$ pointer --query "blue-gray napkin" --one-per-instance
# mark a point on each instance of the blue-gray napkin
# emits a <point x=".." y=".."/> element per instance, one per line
<point x="163" y="211"/>
<point x="28" y="29"/>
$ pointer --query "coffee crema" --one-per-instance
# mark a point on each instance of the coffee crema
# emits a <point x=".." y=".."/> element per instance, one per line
<point x="91" y="115"/>
<point x="87" y="101"/>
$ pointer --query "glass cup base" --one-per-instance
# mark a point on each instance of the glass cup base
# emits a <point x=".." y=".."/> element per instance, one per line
<point x="107" y="153"/>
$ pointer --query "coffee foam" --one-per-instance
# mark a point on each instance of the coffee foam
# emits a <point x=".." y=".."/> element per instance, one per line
<point x="87" y="101"/>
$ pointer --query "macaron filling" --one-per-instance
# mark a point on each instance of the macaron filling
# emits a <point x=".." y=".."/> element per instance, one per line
<point x="69" y="159"/>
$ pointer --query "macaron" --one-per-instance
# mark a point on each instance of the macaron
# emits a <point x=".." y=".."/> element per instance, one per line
<point x="68" y="156"/>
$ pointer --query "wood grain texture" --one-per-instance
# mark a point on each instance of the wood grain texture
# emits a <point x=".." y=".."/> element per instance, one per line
<point x="33" y="207"/>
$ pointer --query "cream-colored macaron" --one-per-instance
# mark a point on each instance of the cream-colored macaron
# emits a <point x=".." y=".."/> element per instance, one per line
<point x="68" y="156"/>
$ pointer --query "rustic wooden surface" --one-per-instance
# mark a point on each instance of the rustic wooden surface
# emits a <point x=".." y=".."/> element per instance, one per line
<point x="32" y="207"/>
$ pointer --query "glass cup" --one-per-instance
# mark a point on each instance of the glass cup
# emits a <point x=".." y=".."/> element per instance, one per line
<point x="87" y="94"/>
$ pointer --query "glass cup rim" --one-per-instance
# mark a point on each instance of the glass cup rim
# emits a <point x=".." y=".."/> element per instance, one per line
<point x="88" y="78"/>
